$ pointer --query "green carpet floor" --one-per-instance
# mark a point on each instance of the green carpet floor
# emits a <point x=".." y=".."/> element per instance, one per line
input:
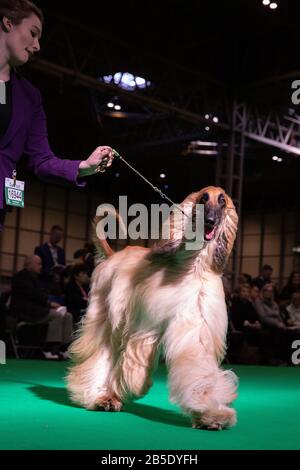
<point x="35" y="413"/>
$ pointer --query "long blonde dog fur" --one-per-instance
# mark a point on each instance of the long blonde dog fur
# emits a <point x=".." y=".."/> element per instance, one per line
<point x="166" y="295"/>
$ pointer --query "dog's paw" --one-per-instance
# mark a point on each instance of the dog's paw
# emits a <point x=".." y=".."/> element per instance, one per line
<point x="108" y="403"/>
<point x="223" y="418"/>
<point x="208" y="427"/>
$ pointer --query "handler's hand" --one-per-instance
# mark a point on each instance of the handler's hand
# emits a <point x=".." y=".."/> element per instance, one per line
<point x="99" y="160"/>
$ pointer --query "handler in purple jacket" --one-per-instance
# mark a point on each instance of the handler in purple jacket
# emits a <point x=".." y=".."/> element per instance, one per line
<point x="23" y="128"/>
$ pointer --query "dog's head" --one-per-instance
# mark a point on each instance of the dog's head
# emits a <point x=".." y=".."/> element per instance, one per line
<point x="220" y="225"/>
<point x="217" y="206"/>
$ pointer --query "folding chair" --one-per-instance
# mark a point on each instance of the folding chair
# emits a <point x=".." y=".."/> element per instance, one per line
<point x="28" y="337"/>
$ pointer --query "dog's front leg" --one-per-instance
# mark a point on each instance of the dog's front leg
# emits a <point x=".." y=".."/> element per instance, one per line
<point x="197" y="384"/>
<point x="132" y="375"/>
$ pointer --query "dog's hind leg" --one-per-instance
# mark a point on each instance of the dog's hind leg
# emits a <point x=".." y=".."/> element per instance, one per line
<point x="132" y="375"/>
<point x="93" y="355"/>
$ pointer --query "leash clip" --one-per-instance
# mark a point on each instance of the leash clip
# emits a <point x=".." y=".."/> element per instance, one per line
<point x="101" y="168"/>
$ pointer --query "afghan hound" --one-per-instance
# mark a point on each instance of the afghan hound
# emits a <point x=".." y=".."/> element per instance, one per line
<point x="165" y="295"/>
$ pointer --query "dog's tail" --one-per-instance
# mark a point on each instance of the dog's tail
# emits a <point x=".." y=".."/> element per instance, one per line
<point x="106" y="214"/>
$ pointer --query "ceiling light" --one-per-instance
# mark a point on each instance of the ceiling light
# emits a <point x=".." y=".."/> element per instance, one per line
<point x="273" y="5"/>
<point x="206" y="144"/>
<point x="141" y="82"/>
<point x="118" y="107"/>
<point x="198" y="147"/>
<point x="266" y="2"/>
<point x="110" y="105"/>
<point x="127" y="81"/>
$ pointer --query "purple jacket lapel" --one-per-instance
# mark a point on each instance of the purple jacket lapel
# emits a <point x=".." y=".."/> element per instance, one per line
<point x="18" y="110"/>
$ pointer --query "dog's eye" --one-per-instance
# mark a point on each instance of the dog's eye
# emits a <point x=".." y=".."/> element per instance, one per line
<point x="204" y="198"/>
<point x="221" y="200"/>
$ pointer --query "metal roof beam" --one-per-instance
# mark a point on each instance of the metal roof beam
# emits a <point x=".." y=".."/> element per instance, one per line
<point x="271" y="130"/>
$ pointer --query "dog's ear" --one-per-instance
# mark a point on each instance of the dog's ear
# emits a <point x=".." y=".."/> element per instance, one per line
<point x="226" y="240"/>
<point x="172" y="235"/>
<point x="174" y="229"/>
<point x="229" y="203"/>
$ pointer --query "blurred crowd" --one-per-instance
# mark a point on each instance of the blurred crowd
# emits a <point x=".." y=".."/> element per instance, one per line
<point x="49" y="292"/>
<point x="263" y="320"/>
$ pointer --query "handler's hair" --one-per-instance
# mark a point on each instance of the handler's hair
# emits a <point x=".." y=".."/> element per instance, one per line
<point x="17" y="10"/>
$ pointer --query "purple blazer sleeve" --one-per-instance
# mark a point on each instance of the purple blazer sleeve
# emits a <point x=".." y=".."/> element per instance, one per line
<point x="40" y="157"/>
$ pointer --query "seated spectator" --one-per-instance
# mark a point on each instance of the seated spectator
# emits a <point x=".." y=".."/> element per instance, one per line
<point x="254" y="293"/>
<point x="292" y="286"/>
<point x="51" y="254"/>
<point x="86" y="256"/>
<point x="56" y="290"/>
<point x="293" y="311"/>
<point x="245" y="320"/>
<point x="265" y="277"/>
<point x="281" y="335"/>
<point x="89" y="260"/>
<point x="267" y="309"/>
<point x="29" y="303"/>
<point x="57" y="294"/>
<point x="243" y="313"/>
<point x="245" y="278"/>
<point x="77" y="289"/>
<point x="79" y="256"/>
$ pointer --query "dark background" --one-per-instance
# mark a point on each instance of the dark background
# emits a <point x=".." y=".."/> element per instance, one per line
<point x="226" y="47"/>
